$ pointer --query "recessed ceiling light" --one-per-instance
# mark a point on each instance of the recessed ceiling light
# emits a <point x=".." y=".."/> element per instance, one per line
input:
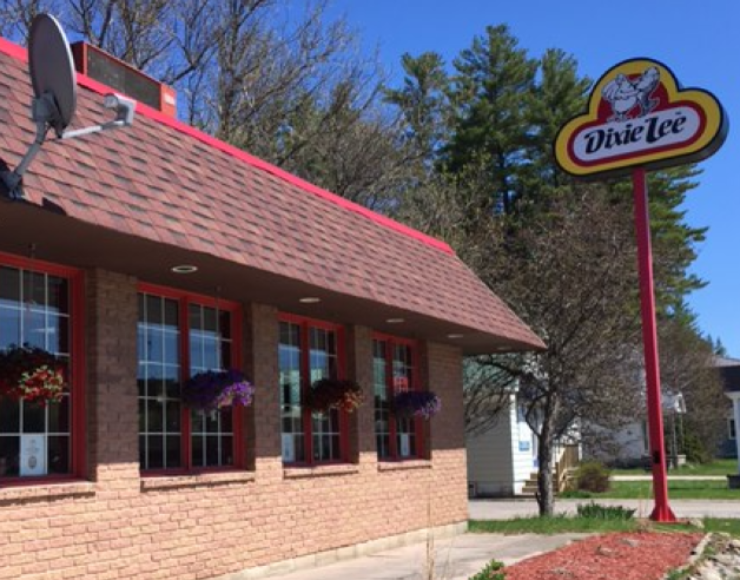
<point x="185" y="269"/>
<point x="395" y="320"/>
<point x="309" y="300"/>
<point x="454" y="336"/>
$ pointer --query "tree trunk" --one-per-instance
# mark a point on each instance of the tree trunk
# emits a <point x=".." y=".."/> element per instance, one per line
<point x="545" y="491"/>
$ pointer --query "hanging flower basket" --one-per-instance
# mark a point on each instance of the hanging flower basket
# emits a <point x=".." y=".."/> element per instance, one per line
<point x="31" y="374"/>
<point x="420" y="404"/>
<point x="214" y="390"/>
<point x="327" y="394"/>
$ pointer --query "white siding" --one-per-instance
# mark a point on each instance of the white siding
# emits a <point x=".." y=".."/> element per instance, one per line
<point x="496" y="465"/>
<point x="627" y="445"/>
<point x="521" y="450"/>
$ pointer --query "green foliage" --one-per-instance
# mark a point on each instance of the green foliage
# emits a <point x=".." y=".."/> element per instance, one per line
<point x="492" y="571"/>
<point x="547" y="525"/>
<point x="677" y="489"/>
<point x="604" y="512"/>
<point x="592" y="476"/>
<point x="695" y="449"/>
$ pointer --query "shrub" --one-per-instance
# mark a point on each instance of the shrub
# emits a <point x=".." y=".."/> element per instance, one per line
<point x="592" y="476"/>
<point x="595" y="511"/>
<point x="492" y="571"/>
<point x="695" y="449"/>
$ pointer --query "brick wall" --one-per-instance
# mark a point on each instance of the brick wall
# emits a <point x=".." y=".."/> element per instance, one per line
<point x="118" y="525"/>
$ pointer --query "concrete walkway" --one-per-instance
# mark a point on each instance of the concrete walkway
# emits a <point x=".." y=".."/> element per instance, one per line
<point x="454" y="559"/>
<point x="683" y="508"/>
<point x="461" y="557"/>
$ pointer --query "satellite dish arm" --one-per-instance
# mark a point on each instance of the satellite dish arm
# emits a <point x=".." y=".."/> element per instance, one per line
<point x="125" y="109"/>
<point x="43" y="108"/>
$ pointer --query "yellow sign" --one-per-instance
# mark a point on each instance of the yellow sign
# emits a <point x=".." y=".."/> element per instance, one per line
<point x="638" y="115"/>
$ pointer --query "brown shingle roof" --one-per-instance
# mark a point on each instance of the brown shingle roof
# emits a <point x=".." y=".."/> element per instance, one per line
<point x="163" y="181"/>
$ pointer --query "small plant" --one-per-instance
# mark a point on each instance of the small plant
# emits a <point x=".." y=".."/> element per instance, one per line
<point x="420" y="404"/>
<point x="326" y="394"/>
<point x="595" y="511"/>
<point x="492" y="571"/>
<point x="213" y="390"/>
<point x="592" y="476"/>
<point x="31" y="374"/>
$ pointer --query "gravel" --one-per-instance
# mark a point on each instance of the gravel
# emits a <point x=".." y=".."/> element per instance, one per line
<point x="622" y="556"/>
<point x="721" y="560"/>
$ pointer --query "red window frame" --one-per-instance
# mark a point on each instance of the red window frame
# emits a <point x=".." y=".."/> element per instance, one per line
<point x="392" y="341"/>
<point x="75" y="278"/>
<point x="306" y="324"/>
<point x="184" y="299"/>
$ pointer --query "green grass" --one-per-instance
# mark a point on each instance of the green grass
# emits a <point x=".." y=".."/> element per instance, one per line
<point x="560" y="524"/>
<point x="718" y="467"/>
<point x="676" y="490"/>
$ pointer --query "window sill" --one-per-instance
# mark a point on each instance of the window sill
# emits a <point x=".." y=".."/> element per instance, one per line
<point x="320" y="470"/>
<point x="402" y="464"/>
<point x="18" y="492"/>
<point x="157" y="482"/>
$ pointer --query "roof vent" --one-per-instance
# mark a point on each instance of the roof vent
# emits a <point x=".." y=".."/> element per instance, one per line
<point x="102" y="67"/>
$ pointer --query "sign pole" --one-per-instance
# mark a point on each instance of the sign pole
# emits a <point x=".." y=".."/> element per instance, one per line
<point x="662" y="511"/>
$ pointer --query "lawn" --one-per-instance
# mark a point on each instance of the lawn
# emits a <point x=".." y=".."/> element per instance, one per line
<point x="572" y="524"/>
<point x="718" y="467"/>
<point x="676" y="490"/>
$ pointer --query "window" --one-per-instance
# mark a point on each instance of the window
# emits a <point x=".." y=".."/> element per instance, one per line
<point x="731" y="433"/>
<point x="309" y="351"/>
<point x="394" y="371"/>
<point x="178" y="337"/>
<point x="40" y="306"/>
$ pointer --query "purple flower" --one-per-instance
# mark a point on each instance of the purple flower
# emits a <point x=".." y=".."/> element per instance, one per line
<point x="421" y="404"/>
<point x="212" y="390"/>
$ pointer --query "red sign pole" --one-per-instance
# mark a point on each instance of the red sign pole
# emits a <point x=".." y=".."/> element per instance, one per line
<point x="662" y="511"/>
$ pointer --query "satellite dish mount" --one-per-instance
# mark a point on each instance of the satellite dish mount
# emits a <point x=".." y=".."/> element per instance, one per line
<point x="54" y="83"/>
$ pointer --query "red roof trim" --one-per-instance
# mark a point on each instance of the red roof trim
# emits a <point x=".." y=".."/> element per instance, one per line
<point x="20" y="53"/>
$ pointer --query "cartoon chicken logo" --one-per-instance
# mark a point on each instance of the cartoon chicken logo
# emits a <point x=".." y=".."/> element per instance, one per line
<point x="624" y="94"/>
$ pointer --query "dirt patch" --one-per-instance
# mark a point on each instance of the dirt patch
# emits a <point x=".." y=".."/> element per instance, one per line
<point x="623" y="556"/>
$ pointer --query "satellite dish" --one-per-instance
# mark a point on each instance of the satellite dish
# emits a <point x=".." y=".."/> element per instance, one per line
<point x="52" y="70"/>
<point x="55" y="96"/>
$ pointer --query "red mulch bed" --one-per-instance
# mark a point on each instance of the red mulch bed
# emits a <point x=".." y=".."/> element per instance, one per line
<point x="628" y="556"/>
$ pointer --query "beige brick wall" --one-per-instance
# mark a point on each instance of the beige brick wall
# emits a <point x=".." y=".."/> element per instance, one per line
<point x="118" y="525"/>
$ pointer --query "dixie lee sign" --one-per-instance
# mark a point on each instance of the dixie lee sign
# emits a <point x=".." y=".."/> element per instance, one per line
<point x="638" y="115"/>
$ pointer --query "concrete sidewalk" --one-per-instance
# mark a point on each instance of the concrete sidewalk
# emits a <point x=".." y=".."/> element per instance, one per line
<point x="494" y="509"/>
<point x="455" y="559"/>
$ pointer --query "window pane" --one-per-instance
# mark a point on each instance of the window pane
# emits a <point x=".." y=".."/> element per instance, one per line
<point x="209" y="350"/>
<point x="58" y="458"/>
<point x="10" y="327"/>
<point x="10" y="449"/>
<point x="159" y="371"/>
<point x="155" y="451"/>
<point x="171" y="313"/>
<point x="289" y="352"/>
<point x="10" y="416"/>
<point x="173" y="455"/>
<point x="212" y="451"/>
<point x="154" y="310"/>
<point x="58" y="295"/>
<point x="227" y="450"/>
<point x="58" y="412"/>
<point x="10" y="285"/>
<point x="34" y="418"/>
<point x="173" y="417"/>
<point x="34" y="309"/>
<point x="155" y="416"/>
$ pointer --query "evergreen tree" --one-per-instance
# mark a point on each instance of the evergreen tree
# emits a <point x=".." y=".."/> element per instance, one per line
<point x="491" y="94"/>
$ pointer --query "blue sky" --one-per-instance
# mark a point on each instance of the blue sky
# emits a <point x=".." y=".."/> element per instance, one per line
<point x="698" y="41"/>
